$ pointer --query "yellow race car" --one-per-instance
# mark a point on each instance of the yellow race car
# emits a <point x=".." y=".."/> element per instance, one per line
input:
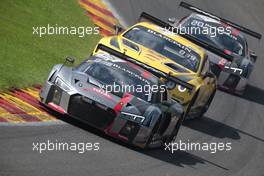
<point x="160" y="49"/>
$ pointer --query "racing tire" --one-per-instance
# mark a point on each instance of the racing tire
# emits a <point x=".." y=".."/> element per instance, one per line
<point x="153" y="133"/>
<point x="206" y="106"/>
<point x="187" y="117"/>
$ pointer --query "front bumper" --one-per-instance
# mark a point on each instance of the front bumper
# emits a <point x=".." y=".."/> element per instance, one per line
<point x="94" y="114"/>
<point x="229" y="81"/>
<point x="232" y="83"/>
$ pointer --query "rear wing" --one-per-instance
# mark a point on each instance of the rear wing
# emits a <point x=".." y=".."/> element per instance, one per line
<point x="147" y="17"/>
<point x="150" y="69"/>
<point x="211" y="15"/>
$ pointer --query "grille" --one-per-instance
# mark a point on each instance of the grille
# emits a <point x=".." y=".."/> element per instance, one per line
<point x="129" y="130"/>
<point x="90" y="112"/>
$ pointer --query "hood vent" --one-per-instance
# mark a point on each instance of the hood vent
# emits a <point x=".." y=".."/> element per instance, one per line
<point x="175" y="67"/>
<point x="131" y="45"/>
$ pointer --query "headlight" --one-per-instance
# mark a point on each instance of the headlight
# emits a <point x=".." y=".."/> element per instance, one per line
<point x="59" y="82"/>
<point x="170" y="85"/>
<point x="132" y="117"/>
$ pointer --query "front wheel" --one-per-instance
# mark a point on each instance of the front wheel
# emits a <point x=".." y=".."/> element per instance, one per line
<point x="190" y="107"/>
<point x="206" y="106"/>
<point x="152" y="141"/>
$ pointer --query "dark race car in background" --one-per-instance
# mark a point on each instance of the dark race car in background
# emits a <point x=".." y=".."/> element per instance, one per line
<point x="233" y="71"/>
<point x="142" y="118"/>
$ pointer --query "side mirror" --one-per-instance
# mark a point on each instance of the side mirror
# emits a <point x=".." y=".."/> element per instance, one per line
<point x="172" y="20"/>
<point x="118" y="29"/>
<point x="253" y="56"/>
<point x="208" y="74"/>
<point x="70" y="60"/>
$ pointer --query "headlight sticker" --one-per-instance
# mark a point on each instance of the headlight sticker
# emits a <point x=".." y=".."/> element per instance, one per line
<point x="181" y="89"/>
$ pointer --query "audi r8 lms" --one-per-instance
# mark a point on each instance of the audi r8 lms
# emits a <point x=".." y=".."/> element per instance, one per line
<point x="233" y="72"/>
<point x="143" y="118"/>
<point x="173" y="55"/>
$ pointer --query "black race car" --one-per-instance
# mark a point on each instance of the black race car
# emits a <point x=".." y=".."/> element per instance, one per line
<point x="217" y="34"/>
<point x="140" y="117"/>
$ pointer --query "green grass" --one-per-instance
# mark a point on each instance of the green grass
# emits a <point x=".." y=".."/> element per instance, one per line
<point x="26" y="59"/>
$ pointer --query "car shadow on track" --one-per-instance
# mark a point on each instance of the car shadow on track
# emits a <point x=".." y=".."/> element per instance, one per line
<point x="177" y="158"/>
<point x="213" y="128"/>
<point x="217" y="129"/>
<point x="254" y="94"/>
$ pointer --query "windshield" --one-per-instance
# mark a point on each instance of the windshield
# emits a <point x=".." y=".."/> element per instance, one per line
<point x="165" y="46"/>
<point x="210" y="32"/>
<point x="121" y="78"/>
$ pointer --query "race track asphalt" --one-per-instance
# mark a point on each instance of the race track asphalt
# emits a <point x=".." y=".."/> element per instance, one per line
<point x="238" y="120"/>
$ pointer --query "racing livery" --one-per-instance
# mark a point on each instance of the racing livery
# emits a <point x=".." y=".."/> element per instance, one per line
<point x="143" y="118"/>
<point x="173" y="55"/>
<point x="233" y="71"/>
